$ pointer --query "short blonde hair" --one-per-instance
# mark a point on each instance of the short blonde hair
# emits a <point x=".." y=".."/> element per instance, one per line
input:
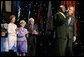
<point x="22" y="21"/>
<point x="73" y="9"/>
<point x="31" y="19"/>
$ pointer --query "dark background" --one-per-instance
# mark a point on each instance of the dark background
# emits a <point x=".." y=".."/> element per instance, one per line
<point x="38" y="10"/>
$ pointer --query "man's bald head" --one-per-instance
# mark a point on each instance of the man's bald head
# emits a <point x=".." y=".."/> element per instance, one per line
<point x="62" y="8"/>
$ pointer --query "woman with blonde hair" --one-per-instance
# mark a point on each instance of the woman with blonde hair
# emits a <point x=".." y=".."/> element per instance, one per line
<point x="21" y="39"/>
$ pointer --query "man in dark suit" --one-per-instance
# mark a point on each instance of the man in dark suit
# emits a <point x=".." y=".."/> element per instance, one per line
<point x="61" y="31"/>
<point x="32" y="28"/>
<point x="71" y="30"/>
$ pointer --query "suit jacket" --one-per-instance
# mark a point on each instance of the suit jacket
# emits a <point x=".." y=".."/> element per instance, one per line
<point x="61" y="26"/>
<point x="31" y="38"/>
<point x="72" y="28"/>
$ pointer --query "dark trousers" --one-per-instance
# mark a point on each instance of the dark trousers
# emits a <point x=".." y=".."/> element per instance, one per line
<point x="60" y="47"/>
<point x="69" y="51"/>
<point x="32" y="45"/>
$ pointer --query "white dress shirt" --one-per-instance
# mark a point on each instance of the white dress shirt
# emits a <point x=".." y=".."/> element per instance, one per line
<point x="69" y="20"/>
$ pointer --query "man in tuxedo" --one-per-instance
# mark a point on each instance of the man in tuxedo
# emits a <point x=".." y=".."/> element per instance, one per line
<point x="71" y="30"/>
<point x="61" y="31"/>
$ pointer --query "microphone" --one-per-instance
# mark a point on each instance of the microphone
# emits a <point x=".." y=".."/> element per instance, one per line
<point x="66" y="10"/>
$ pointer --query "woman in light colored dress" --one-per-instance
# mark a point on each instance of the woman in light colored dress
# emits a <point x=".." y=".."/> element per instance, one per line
<point x="21" y="39"/>
<point x="12" y="36"/>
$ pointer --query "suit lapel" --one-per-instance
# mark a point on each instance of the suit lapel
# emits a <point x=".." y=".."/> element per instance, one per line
<point x="62" y="14"/>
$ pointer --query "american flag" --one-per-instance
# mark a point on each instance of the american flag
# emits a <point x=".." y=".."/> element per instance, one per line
<point x="19" y="9"/>
<point x="19" y="13"/>
<point x="29" y="10"/>
<point x="49" y="25"/>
